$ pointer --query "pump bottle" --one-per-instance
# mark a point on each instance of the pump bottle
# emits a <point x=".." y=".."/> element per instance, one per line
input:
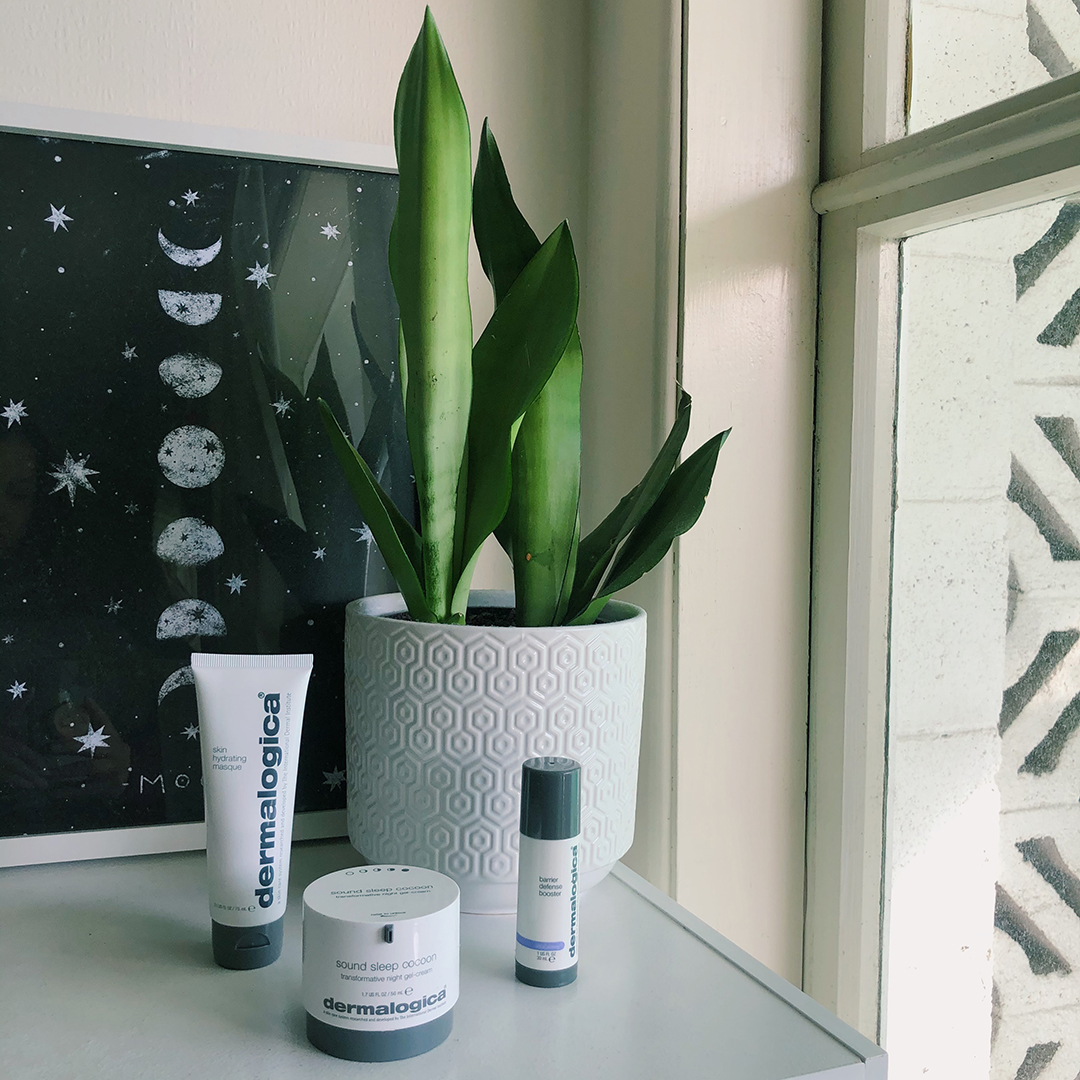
<point x="548" y="859"/>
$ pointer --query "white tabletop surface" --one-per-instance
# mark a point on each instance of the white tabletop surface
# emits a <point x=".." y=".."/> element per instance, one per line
<point x="106" y="971"/>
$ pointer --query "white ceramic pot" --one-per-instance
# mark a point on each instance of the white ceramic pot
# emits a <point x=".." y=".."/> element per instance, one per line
<point x="440" y="718"/>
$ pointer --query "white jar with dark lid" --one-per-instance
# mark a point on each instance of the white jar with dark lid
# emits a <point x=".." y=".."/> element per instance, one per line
<point x="381" y="947"/>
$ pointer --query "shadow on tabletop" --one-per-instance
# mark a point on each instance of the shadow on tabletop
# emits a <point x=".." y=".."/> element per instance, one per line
<point x="120" y="937"/>
<point x="312" y="859"/>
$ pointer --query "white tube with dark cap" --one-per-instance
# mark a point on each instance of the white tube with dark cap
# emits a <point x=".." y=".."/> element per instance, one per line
<point x="547" y="907"/>
<point x="251" y="709"/>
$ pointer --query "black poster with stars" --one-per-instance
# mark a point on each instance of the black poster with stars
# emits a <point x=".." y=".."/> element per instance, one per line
<point x="168" y="320"/>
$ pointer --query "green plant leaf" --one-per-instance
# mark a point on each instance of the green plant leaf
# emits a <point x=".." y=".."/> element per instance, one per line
<point x="398" y="541"/>
<point x="460" y="601"/>
<point x="545" y="490"/>
<point x="598" y="549"/>
<point x="512" y="361"/>
<point x="542" y="523"/>
<point x="429" y="260"/>
<point x="674" y="512"/>
<point x="676" y="509"/>
<point x="504" y="238"/>
<point x="506" y="540"/>
<point x="568" y="580"/>
<point x="591" y="613"/>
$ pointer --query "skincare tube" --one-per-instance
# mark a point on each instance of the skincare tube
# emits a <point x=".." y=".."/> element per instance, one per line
<point x="547" y="898"/>
<point x="251" y="709"/>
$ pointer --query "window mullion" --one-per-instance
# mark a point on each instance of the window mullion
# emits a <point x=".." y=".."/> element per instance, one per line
<point x="957" y="161"/>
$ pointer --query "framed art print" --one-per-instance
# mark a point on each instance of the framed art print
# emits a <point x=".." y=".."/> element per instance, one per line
<point x="173" y="302"/>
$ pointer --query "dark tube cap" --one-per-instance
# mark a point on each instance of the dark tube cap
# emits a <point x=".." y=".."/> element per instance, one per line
<point x="550" y="798"/>
<point x="244" y="948"/>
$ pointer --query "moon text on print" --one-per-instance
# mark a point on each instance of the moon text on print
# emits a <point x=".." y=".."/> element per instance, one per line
<point x="189" y="256"/>
<point x="189" y="375"/>
<point x="191" y="457"/>
<point x="190" y="618"/>
<point x="190" y="308"/>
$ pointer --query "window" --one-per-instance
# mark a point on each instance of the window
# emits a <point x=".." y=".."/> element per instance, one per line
<point x="943" y="904"/>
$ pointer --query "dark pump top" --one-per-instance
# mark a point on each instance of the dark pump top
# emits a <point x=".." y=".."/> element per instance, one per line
<point x="551" y="798"/>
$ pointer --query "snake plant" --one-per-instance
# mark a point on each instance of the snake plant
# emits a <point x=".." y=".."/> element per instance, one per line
<point x="495" y="428"/>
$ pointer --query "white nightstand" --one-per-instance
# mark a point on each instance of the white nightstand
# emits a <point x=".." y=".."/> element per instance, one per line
<point x="105" y="972"/>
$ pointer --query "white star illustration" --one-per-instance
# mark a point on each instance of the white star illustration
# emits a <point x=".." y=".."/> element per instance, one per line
<point x="282" y="406"/>
<point x="129" y="352"/>
<point x="72" y="474"/>
<point x="363" y="535"/>
<point x="190" y="197"/>
<point x="330" y="231"/>
<point x="14" y="412"/>
<point x="7" y="639"/>
<point x="260" y="275"/>
<point x="93" y="739"/>
<point x="334" y="779"/>
<point x="191" y="731"/>
<point x="57" y="218"/>
<point x="113" y="606"/>
<point x="16" y="689"/>
<point x="235" y="583"/>
<point x="319" y="553"/>
<point x="131" y="508"/>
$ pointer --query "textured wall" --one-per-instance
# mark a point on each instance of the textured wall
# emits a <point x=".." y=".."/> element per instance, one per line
<point x="968" y="55"/>
<point x="983" y="937"/>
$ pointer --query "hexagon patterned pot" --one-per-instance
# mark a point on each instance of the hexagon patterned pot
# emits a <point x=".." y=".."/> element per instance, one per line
<point x="440" y="718"/>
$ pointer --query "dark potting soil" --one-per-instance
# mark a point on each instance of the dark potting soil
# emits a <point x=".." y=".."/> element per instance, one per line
<point x="484" y="616"/>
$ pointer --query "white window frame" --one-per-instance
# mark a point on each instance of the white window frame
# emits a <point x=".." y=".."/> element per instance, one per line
<point x="1010" y="154"/>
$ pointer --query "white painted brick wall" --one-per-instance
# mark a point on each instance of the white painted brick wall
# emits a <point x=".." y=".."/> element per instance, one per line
<point x="950" y="560"/>
<point x="969" y="53"/>
<point x="973" y="379"/>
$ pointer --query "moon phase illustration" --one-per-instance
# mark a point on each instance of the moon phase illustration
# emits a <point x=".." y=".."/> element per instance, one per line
<point x="189" y="256"/>
<point x="188" y="618"/>
<point x="189" y="542"/>
<point x="190" y="308"/>
<point x="189" y="375"/>
<point x="180" y="677"/>
<point x="191" y="457"/>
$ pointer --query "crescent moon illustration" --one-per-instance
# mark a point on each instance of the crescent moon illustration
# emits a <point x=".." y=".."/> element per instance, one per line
<point x="180" y="677"/>
<point x="189" y="256"/>
<point x="189" y="542"/>
<point x="191" y="308"/>
<point x="190" y="618"/>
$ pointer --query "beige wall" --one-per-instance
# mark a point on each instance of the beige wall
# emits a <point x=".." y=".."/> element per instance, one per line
<point x="583" y="96"/>
<point x="743" y="573"/>
<point x="326" y="68"/>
